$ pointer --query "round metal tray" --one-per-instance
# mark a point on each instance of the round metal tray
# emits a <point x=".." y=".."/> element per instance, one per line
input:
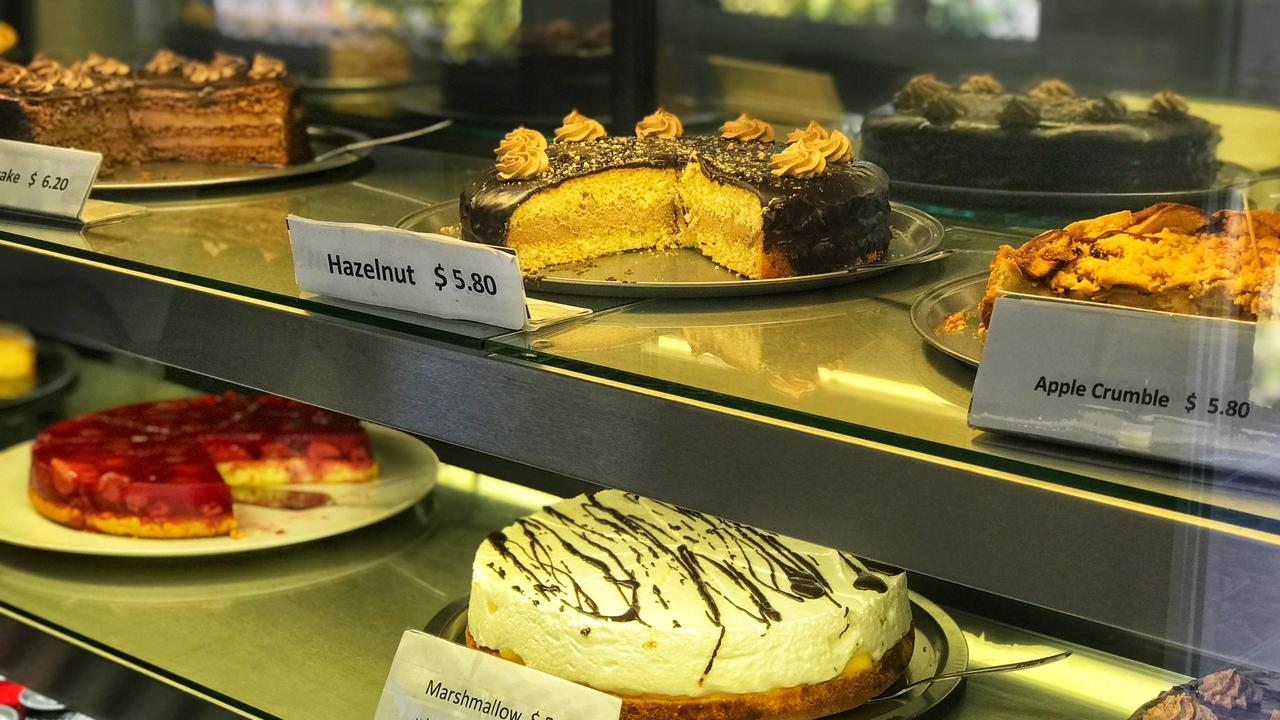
<point x="685" y="272"/>
<point x="963" y="295"/>
<point x="1231" y="178"/>
<point x="940" y="648"/>
<point x="55" y="372"/>
<point x="173" y="175"/>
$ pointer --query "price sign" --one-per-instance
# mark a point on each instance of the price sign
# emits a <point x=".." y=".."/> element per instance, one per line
<point x="434" y="679"/>
<point x="1159" y="385"/>
<point x="425" y="273"/>
<point x="44" y="180"/>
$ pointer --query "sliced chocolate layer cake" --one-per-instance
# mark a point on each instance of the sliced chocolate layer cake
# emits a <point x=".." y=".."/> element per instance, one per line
<point x="760" y="208"/>
<point x="228" y="110"/>
<point x="224" y="111"/>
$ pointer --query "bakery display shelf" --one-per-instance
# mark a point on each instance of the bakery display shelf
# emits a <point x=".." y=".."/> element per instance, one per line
<point x="719" y="404"/>
<point x="234" y="240"/>
<point x="117" y="637"/>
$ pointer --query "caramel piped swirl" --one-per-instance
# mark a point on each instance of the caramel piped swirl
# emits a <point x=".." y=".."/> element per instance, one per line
<point x="576" y="127"/>
<point x="836" y="148"/>
<point x="518" y="138"/>
<point x="813" y="132"/>
<point x="661" y="124"/>
<point x="943" y="109"/>
<point x="1052" y="88"/>
<point x="981" y="84"/>
<point x="802" y="159"/>
<point x="525" y="158"/>
<point x="1169" y="105"/>
<point x="918" y="91"/>
<point x="1019" y="111"/>
<point x="747" y="129"/>
<point x="1105" y="109"/>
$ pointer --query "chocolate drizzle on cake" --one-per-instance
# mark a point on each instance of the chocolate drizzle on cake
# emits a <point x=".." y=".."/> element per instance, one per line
<point x="630" y="542"/>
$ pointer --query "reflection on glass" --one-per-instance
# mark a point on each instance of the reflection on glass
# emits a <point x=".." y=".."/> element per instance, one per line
<point x="997" y="19"/>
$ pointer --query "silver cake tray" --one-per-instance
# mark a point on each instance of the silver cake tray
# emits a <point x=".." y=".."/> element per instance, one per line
<point x="963" y="295"/>
<point x="1231" y="179"/>
<point x="940" y="648"/>
<point x="684" y="272"/>
<point x="174" y="175"/>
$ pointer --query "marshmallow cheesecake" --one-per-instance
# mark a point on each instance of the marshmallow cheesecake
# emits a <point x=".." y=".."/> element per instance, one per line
<point x="687" y="615"/>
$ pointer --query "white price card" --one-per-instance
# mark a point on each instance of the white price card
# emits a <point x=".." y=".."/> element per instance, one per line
<point x="44" y="180"/>
<point x="1138" y="382"/>
<point x="422" y="272"/>
<point x="434" y="679"/>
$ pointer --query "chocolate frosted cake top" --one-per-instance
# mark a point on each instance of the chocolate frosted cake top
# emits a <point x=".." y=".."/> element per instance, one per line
<point x="45" y="77"/>
<point x="982" y="99"/>
<point x="1229" y="694"/>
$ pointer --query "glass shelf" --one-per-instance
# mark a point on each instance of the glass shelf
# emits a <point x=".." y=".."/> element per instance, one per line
<point x="328" y="615"/>
<point x="828" y="398"/>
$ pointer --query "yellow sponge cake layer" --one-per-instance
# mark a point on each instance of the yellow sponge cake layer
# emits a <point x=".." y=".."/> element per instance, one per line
<point x="609" y="212"/>
<point x="722" y="221"/>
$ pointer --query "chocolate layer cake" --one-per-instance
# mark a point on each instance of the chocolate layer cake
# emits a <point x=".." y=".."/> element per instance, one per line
<point x="225" y="111"/>
<point x="1230" y="694"/>
<point x="760" y="208"/>
<point x="84" y="106"/>
<point x="1046" y="139"/>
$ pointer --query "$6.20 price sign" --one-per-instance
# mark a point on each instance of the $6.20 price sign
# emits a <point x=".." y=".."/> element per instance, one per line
<point x="420" y="272"/>
<point x="46" y="180"/>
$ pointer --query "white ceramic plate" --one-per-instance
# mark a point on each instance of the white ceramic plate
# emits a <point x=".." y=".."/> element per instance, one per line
<point x="407" y="472"/>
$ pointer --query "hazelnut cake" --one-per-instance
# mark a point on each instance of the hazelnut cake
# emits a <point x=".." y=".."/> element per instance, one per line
<point x="757" y="207"/>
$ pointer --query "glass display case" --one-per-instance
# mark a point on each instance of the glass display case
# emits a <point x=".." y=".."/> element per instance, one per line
<point x="1077" y="193"/>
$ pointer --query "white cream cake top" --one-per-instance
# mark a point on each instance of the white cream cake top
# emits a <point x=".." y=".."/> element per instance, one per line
<point x="636" y="596"/>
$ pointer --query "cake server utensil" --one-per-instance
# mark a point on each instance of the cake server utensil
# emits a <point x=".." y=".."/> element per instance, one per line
<point x="381" y="494"/>
<point x="1007" y="667"/>
<point x="908" y="261"/>
<point x="385" y="140"/>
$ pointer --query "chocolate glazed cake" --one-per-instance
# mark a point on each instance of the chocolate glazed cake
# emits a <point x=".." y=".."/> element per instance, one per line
<point x="760" y="208"/>
<point x="1230" y="694"/>
<point x="228" y="110"/>
<point x="1046" y="139"/>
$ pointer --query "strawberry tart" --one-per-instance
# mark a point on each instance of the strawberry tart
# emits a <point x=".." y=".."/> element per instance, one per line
<point x="164" y="469"/>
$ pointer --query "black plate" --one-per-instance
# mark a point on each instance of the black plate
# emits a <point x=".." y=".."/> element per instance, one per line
<point x="940" y="648"/>
<point x="1231" y="179"/>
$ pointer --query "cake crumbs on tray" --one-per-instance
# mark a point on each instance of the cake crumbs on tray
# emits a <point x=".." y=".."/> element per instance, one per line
<point x="955" y="322"/>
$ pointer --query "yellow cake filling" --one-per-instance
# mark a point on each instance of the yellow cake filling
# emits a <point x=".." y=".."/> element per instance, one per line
<point x="638" y="209"/>
<point x="17" y="362"/>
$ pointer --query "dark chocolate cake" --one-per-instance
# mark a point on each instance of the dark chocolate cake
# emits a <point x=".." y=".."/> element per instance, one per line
<point x="1230" y="694"/>
<point x="760" y="208"/>
<point x="228" y="110"/>
<point x="1046" y="139"/>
